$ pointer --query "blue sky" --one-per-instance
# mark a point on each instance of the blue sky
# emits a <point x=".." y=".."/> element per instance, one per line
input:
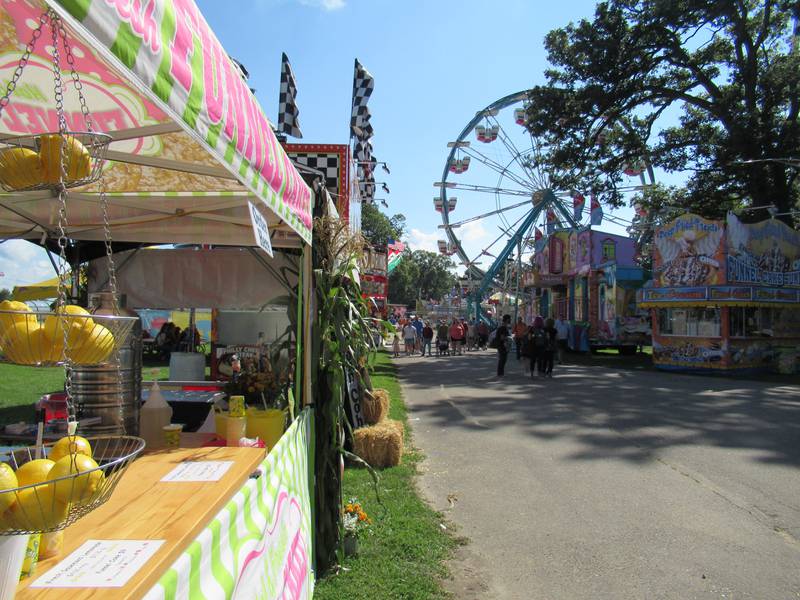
<point x="435" y="64"/>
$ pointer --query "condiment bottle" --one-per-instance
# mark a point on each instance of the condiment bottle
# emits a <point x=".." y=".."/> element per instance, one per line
<point x="236" y="423"/>
<point x="154" y="415"/>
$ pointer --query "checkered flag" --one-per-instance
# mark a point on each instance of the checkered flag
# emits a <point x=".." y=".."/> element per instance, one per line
<point x="366" y="161"/>
<point x="287" y="107"/>
<point x="363" y="84"/>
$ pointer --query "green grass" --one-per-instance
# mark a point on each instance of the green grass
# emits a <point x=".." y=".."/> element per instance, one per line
<point x="21" y="387"/>
<point x="404" y="556"/>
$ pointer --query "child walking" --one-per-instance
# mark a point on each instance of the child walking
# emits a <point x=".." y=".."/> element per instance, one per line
<point x="396" y="345"/>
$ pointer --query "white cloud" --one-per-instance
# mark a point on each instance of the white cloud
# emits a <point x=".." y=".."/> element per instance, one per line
<point x="419" y="240"/>
<point x="472" y="232"/>
<point x="22" y="262"/>
<point x="328" y="5"/>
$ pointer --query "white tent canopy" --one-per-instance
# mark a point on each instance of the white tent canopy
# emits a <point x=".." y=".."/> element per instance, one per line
<point x="190" y="147"/>
<point x="224" y="278"/>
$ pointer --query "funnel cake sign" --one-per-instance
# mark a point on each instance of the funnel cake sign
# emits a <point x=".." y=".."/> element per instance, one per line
<point x="689" y="252"/>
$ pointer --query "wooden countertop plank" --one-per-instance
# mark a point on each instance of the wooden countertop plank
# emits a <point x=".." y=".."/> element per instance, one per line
<point x="143" y="508"/>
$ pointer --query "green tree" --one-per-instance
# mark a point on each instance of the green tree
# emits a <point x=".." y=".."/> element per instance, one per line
<point x="421" y="274"/>
<point x="377" y="228"/>
<point x="5" y="294"/>
<point x="729" y="69"/>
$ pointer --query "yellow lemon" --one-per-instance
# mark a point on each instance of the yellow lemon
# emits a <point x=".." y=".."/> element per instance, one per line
<point x="70" y="445"/>
<point x="7" y="320"/>
<point x="34" y="471"/>
<point x="8" y="481"/>
<point x="43" y="349"/>
<point x="78" y="162"/>
<point x="20" y="168"/>
<point x="77" y="321"/>
<point x="77" y="488"/>
<point x="95" y="347"/>
<point x="36" y="508"/>
<point x="16" y="342"/>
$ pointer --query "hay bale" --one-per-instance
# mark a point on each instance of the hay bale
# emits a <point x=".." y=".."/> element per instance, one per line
<point x="380" y="445"/>
<point x="375" y="406"/>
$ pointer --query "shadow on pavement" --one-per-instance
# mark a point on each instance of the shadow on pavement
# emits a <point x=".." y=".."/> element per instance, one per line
<point x="612" y="413"/>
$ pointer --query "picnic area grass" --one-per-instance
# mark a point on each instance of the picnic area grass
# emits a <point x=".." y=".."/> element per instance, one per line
<point x="404" y="555"/>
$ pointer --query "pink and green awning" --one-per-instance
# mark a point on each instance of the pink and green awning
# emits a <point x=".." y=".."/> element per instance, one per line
<point x="191" y="143"/>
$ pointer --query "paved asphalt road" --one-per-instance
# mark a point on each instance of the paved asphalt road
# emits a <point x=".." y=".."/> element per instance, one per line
<point x="604" y="483"/>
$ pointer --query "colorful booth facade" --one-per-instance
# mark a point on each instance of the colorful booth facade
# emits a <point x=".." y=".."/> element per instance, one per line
<point x="725" y="296"/>
<point x="590" y="278"/>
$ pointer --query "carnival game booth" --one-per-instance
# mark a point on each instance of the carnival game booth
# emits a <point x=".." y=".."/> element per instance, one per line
<point x="590" y="278"/>
<point x="725" y="296"/>
<point x="128" y="123"/>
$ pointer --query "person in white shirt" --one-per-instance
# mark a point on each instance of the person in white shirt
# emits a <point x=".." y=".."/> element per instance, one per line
<point x="410" y="338"/>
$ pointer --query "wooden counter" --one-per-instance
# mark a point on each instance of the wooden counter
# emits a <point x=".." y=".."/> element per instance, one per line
<point x="142" y="507"/>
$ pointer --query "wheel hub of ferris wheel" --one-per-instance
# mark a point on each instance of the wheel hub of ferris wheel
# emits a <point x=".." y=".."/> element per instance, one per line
<point x="505" y="161"/>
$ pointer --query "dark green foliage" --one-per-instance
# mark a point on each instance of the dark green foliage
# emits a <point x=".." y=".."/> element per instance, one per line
<point x="421" y="274"/>
<point x="377" y="228"/>
<point x="731" y="70"/>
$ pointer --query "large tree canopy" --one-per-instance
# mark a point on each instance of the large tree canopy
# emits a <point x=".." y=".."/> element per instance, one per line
<point x="377" y="228"/>
<point x="729" y="70"/>
<point x="421" y="274"/>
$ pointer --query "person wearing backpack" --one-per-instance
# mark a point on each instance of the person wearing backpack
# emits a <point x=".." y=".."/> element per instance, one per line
<point x="549" y="351"/>
<point x="536" y="344"/>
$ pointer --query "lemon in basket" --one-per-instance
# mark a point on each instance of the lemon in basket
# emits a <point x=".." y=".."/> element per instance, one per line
<point x="77" y="321"/>
<point x="34" y="471"/>
<point x="20" y="168"/>
<point x="42" y="348"/>
<point x="70" y="445"/>
<point x="16" y="342"/>
<point x="36" y="508"/>
<point x="7" y="320"/>
<point x="80" y="487"/>
<point x="78" y="161"/>
<point x="8" y="481"/>
<point x="95" y="346"/>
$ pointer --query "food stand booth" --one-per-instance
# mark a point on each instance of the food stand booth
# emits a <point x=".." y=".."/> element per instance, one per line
<point x="192" y="160"/>
<point x="724" y="296"/>
<point x="590" y="278"/>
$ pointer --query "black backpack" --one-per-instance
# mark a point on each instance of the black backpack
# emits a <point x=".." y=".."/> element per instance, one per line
<point x="539" y="339"/>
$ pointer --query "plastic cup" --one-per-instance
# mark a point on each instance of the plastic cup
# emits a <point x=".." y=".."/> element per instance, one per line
<point x="172" y="435"/>
<point x="268" y="425"/>
<point x="12" y="553"/>
<point x="221" y="423"/>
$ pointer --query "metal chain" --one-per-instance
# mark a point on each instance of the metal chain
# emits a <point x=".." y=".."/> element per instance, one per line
<point x="23" y="62"/>
<point x="76" y="80"/>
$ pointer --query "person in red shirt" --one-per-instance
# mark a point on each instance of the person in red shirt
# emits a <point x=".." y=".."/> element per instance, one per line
<point x="456" y="334"/>
<point x="520" y="331"/>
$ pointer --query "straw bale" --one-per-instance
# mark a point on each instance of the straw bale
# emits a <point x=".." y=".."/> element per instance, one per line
<point x="375" y="406"/>
<point x="380" y="445"/>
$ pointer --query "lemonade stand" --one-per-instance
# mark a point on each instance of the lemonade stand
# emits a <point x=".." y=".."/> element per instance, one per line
<point x="128" y="122"/>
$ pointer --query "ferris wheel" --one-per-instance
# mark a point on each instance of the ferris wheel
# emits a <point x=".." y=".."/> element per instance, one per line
<point x="496" y="200"/>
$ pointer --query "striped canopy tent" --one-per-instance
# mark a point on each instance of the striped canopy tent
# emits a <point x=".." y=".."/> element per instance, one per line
<point x="190" y="144"/>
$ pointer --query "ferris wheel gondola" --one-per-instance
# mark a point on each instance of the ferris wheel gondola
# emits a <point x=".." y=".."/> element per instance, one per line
<point x="505" y="194"/>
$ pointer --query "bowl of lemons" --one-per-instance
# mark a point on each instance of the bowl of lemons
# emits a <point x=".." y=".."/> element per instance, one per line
<point x="70" y="334"/>
<point x="48" y="160"/>
<point x="47" y="488"/>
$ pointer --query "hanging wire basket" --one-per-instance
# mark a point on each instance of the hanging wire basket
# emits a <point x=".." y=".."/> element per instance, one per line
<point x="59" y="502"/>
<point x="49" y="339"/>
<point x="48" y="160"/>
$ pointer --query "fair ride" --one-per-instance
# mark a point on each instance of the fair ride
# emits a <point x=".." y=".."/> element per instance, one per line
<point x="498" y="202"/>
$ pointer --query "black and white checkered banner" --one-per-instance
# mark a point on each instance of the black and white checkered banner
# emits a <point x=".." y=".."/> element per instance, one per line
<point x="287" y="106"/>
<point x="364" y="158"/>
<point x="363" y="84"/>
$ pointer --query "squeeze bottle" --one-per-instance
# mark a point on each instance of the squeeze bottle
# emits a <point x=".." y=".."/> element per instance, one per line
<point x="154" y="415"/>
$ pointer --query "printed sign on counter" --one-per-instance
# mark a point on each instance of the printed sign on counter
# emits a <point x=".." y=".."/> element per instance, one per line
<point x="199" y="470"/>
<point x="100" y="564"/>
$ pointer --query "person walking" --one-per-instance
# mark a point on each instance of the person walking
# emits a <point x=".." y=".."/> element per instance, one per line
<point x="502" y="337"/>
<point x="441" y="338"/>
<point x="472" y="335"/>
<point x="520" y="331"/>
<point x="418" y="326"/>
<point x="562" y="331"/>
<point x="537" y="340"/>
<point x="549" y="347"/>
<point x="396" y="345"/>
<point x="427" y="338"/>
<point x="483" y="335"/>
<point x="456" y="333"/>
<point x="410" y="338"/>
